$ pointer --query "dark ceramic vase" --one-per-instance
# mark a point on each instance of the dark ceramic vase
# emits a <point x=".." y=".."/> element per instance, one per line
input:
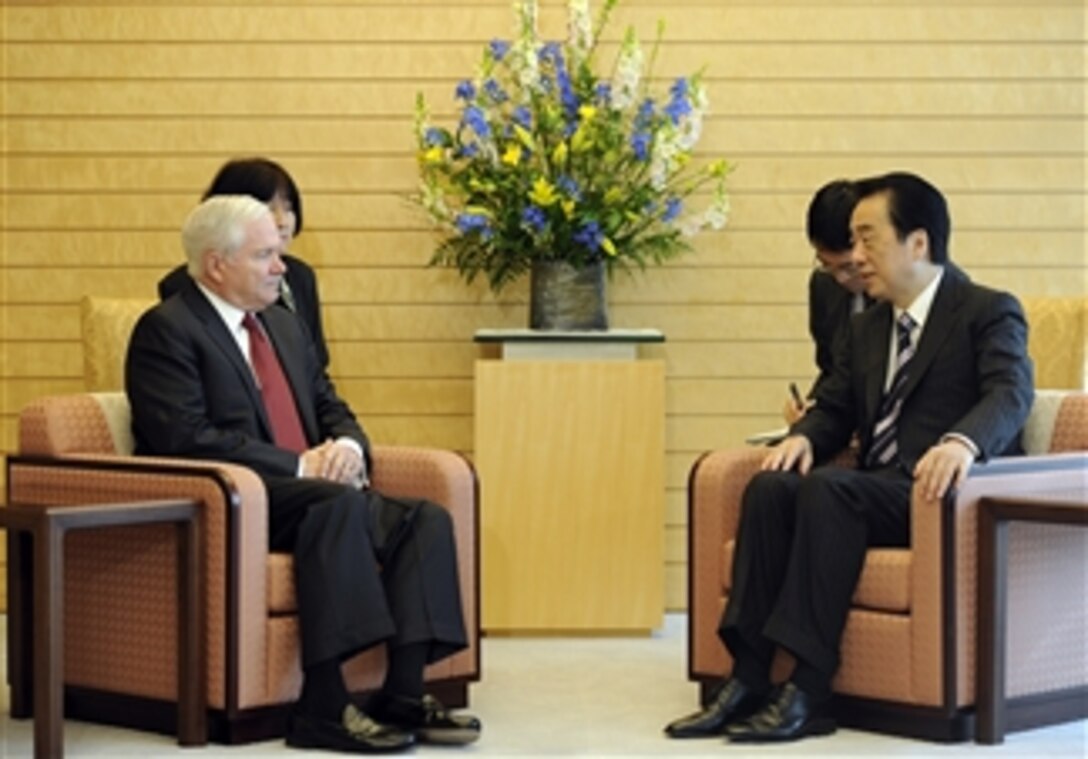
<point x="566" y="297"/>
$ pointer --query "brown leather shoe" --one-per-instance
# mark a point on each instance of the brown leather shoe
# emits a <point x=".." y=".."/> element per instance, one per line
<point x="734" y="701"/>
<point x="355" y="733"/>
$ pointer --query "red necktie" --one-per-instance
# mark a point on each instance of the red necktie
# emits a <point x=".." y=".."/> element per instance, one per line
<point x="279" y="403"/>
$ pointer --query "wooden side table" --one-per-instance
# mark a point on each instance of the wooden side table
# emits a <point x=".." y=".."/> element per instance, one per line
<point x="994" y="516"/>
<point x="37" y="567"/>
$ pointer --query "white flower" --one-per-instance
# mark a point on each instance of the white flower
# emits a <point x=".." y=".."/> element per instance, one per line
<point x="523" y="58"/>
<point x="579" y="30"/>
<point x="664" y="157"/>
<point x="691" y="126"/>
<point x="628" y="73"/>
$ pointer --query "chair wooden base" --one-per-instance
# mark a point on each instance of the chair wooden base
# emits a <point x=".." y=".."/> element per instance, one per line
<point x="943" y="725"/>
<point x="247" y="726"/>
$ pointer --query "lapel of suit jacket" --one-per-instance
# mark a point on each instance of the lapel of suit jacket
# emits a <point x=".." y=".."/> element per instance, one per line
<point x="875" y="358"/>
<point x="219" y="334"/>
<point x="938" y="326"/>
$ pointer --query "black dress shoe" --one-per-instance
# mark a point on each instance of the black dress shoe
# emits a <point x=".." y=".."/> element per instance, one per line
<point x="427" y="719"/>
<point x="790" y="715"/>
<point x="354" y="733"/>
<point x="734" y="701"/>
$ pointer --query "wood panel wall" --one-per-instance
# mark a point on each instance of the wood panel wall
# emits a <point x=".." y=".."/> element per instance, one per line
<point x="116" y="115"/>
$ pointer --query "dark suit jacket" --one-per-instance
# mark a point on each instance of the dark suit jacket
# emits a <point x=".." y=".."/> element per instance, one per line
<point x="830" y="306"/>
<point x="303" y="285"/>
<point x="970" y="375"/>
<point x="193" y="393"/>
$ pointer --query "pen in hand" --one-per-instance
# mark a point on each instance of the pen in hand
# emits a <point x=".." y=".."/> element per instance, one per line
<point x="796" y="394"/>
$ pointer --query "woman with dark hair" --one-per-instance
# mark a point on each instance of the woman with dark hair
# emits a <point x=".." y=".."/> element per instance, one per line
<point x="270" y="183"/>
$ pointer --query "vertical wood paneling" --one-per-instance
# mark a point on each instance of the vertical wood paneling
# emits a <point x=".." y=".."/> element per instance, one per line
<point x="116" y="115"/>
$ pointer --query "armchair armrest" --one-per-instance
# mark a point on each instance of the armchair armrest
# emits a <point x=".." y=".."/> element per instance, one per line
<point x="448" y="479"/>
<point x="235" y="531"/>
<point x="715" y="487"/>
<point x="943" y="567"/>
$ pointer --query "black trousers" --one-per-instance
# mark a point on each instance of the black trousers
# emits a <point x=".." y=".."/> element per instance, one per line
<point x="800" y="549"/>
<point x="367" y="569"/>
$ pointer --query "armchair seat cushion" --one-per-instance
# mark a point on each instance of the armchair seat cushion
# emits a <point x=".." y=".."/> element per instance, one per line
<point x="884" y="584"/>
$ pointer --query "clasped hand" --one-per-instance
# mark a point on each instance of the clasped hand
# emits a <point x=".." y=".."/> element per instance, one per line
<point x="332" y="461"/>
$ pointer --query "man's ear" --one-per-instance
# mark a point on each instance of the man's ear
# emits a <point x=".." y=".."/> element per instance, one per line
<point x="213" y="263"/>
<point x="918" y="244"/>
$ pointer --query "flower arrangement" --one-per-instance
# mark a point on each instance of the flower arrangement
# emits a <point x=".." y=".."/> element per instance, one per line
<point x="550" y="162"/>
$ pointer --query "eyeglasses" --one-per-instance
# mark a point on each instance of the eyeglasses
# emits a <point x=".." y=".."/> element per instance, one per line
<point x="840" y="270"/>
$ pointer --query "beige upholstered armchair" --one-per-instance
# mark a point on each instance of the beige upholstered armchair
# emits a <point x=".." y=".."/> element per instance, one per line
<point x="120" y="616"/>
<point x="908" y="651"/>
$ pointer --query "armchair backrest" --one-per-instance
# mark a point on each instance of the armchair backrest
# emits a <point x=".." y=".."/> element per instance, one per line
<point x="1058" y="341"/>
<point x="1058" y="423"/>
<point x="106" y="324"/>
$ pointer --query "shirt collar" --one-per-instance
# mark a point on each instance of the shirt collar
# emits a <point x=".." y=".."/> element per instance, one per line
<point x="229" y="313"/>
<point x="919" y="309"/>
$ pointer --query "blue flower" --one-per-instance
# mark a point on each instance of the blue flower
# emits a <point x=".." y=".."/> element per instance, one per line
<point x="434" y="136"/>
<point x="645" y="114"/>
<point x="495" y="91"/>
<point x="679" y="104"/>
<point x="468" y="223"/>
<point x="522" y="117"/>
<point x="604" y="93"/>
<point x="569" y="187"/>
<point x="551" y="53"/>
<point x="534" y="218"/>
<point x="640" y="143"/>
<point x="672" y="209"/>
<point x="477" y="121"/>
<point x="499" y="49"/>
<point x="469" y="150"/>
<point x="466" y="90"/>
<point x="589" y="236"/>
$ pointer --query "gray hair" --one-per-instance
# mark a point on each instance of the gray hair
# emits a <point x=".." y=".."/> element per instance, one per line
<point x="219" y="224"/>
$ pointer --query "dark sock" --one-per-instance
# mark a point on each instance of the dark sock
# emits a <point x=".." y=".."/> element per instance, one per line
<point x="752" y="671"/>
<point x="404" y="677"/>
<point x="324" y="693"/>
<point x="812" y="681"/>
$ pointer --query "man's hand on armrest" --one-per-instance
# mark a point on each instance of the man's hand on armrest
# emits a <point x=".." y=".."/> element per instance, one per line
<point x="793" y="452"/>
<point x="943" y="466"/>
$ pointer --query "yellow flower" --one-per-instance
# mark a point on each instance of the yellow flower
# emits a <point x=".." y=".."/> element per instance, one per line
<point x="609" y="248"/>
<point x="524" y="135"/>
<point x="579" y="141"/>
<point x="512" y="155"/>
<point x="559" y="155"/>
<point x="432" y="155"/>
<point x="587" y="112"/>
<point x="543" y="193"/>
<point x="568" y="208"/>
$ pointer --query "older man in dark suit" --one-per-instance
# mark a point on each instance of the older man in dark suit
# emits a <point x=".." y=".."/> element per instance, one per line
<point x="933" y="378"/>
<point x="212" y="372"/>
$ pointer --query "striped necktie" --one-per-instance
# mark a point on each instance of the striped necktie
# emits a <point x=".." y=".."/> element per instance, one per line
<point x="885" y="445"/>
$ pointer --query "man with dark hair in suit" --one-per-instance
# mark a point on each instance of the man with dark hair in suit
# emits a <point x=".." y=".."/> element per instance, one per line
<point x="933" y="378"/>
<point x="835" y="289"/>
<point x="213" y="372"/>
